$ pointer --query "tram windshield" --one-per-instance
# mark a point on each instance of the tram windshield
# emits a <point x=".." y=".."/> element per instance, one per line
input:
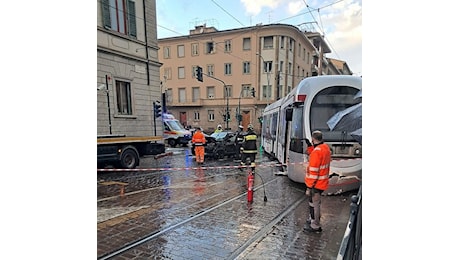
<point x="335" y="104"/>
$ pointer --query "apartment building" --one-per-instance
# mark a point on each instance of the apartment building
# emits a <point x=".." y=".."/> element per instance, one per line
<point x="244" y="70"/>
<point x="128" y="68"/>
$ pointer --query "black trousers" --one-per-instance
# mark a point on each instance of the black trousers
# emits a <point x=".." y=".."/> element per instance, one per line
<point x="244" y="156"/>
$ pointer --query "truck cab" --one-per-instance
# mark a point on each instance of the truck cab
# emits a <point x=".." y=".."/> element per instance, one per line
<point x="174" y="133"/>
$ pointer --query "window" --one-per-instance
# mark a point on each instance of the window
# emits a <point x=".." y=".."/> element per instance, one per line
<point x="124" y="102"/>
<point x="267" y="91"/>
<point x="195" y="94"/>
<point x="267" y="66"/>
<point x="298" y="51"/>
<point x="167" y="52"/>
<point x="210" y="92"/>
<point x="303" y="54"/>
<point x="181" y="73"/>
<point x="228" y="69"/>
<point x="119" y="14"/>
<point x="228" y="91"/>
<point x="196" y="116"/>
<point x="246" y="90"/>
<point x="290" y="69"/>
<point x="282" y="42"/>
<point x="210" y="115"/>
<point x="246" y="44"/>
<point x="209" y="48"/>
<point x="246" y="67"/>
<point x="210" y="70"/>
<point x="291" y="44"/>
<point x="228" y="46"/>
<point x="169" y="95"/>
<point x="182" y="96"/>
<point x="180" y="51"/>
<point x="268" y="42"/>
<point x="194" y="49"/>
<point x="298" y="70"/>
<point x="194" y="71"/>
<point x="168" y="73"/>
<point x="281" y="66"/>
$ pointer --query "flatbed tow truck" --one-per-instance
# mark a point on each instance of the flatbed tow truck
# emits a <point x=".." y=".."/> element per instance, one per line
<point x="125" y="151"/>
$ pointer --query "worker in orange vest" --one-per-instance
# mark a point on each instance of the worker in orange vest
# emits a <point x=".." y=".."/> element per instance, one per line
<point x="316" y="179"/>
<point x="199" y="141"/>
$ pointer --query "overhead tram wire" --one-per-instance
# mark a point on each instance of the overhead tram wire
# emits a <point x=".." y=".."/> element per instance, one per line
<point x="318" y="9"/>
<point x="227" y="12"/>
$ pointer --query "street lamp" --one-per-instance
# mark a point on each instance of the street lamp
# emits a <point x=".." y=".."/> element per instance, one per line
<point x="101" y="87"/>
<point x="268" y="76"/>
<point x="238" y="115"/>
<point x="227" y="113"/>
<point x="163" y="93"/>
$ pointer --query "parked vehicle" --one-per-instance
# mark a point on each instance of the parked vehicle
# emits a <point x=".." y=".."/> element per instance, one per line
<point x="174" y="132"/>
<point x="220" y="145"/>
<point x="125" y="151"/>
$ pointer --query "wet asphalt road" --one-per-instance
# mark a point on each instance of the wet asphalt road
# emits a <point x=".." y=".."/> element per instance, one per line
<point x="183" y="211"/>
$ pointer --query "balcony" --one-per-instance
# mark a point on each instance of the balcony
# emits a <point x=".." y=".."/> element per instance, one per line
<point x="186" y="103"/>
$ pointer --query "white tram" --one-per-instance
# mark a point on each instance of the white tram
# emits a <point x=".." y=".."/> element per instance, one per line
<point x="331" y="104"/>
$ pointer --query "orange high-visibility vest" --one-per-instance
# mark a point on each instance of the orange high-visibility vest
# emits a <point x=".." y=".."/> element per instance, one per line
<point x="198" y="138"/>
<point x="317" y="173"/>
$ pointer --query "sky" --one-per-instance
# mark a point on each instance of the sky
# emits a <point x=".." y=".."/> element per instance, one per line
<point x="340" y="21"/>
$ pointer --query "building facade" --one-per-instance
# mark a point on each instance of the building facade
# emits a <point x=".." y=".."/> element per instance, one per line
<point x="128" y="68"/>
<point x="244" y="70"/>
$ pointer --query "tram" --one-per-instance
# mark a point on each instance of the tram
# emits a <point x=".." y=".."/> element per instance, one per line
<point x="331" y="104"/>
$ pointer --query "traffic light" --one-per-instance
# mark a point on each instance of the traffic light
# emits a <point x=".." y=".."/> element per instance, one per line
<point x="199" y="73"/>
<point x="253" y="92"/>
<point x="157" y="109"/>
<point x="261" y="119"/>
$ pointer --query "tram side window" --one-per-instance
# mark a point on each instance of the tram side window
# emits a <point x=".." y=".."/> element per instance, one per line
<point x="274" y="124"/>
<point x="297" y="142"/>
<point x="282" y="126"/>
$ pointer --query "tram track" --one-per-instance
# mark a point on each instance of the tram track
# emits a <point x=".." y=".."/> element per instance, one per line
<point x="203" y="212"/>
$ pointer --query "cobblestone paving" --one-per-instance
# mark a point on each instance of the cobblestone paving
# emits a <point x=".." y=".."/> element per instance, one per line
<point x="169" y="198"/>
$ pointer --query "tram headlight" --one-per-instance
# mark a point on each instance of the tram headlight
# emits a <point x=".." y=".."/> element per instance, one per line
<point x="357" y="151"/>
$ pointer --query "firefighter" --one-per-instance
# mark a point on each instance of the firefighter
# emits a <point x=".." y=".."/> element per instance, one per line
<point x="249" y="147"/>
<point x="238" y="140"/>
<point x="219" y="129"/>
<point x="199" y="141"/>
<point x="317" y="179"/>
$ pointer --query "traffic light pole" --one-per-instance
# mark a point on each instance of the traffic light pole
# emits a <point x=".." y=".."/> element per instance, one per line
<point x="227" y="112"/>
<point x="154" y="119"/>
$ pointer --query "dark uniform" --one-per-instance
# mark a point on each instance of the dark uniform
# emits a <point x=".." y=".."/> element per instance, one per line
<point x="249" y="146"/>
<point x="238" y="141"/>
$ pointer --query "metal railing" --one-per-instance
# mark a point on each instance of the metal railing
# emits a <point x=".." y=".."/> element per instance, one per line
<point x="350" y="249"/>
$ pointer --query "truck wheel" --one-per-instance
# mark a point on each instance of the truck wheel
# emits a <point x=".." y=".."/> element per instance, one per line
<point x="172" y="142"/>
<point x="129" y="159"/>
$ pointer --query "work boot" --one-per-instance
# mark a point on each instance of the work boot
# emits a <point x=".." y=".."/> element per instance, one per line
<point x="310" y="229"/>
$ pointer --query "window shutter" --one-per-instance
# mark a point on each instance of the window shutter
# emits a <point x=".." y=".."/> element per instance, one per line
<point x="132" y="19"/>
<point x="105" y="14"/>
